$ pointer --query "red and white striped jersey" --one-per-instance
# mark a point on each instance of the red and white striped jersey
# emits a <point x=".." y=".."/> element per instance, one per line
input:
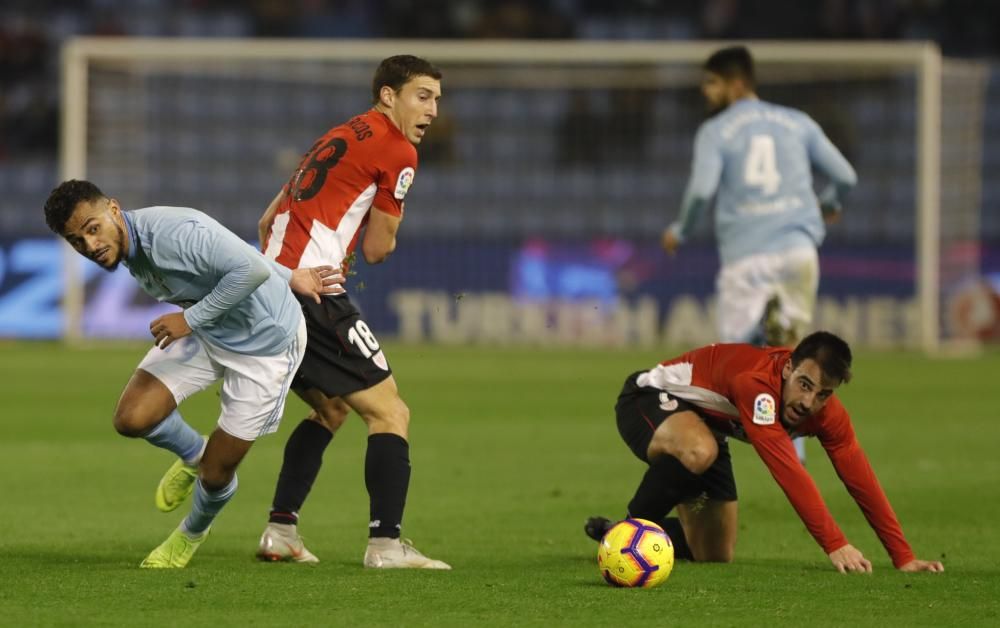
<point x="739" y="389"/>
<point x="363" y="163"/>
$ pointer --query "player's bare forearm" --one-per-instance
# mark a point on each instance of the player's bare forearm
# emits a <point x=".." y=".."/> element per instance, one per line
<point x="380" y="236"/>
<point x="265" y="222"/>
<point x="378" y="253"/>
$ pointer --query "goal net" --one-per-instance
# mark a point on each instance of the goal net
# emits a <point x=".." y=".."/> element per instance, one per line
<point x="545" y="182"/>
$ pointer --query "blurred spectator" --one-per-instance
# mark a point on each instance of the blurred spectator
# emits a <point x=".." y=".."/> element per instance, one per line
<point x="575" y="142"/>
<point x="31" y="32"/>
<point x="28" y="110"/>
<point x="274" y="18"/>
<point x="627" y="110"/>
<point x="522" y="19"/>
<point x="435" y="19"/>
<point x="438" y="146"/>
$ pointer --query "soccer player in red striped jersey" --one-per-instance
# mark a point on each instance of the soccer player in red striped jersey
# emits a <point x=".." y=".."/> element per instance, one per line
<point x="678" y="416"/>
<point x="350" y="186"/>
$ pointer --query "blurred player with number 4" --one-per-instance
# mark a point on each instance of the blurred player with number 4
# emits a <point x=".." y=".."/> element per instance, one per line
<point x="355" y="176"/>
<point x="757" y="157"/>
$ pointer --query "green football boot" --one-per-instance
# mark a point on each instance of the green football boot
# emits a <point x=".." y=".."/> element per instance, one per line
<point x="175" y="486"/>
<point x="175" y="552"/>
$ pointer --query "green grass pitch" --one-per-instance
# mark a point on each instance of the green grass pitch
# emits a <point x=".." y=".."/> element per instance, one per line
<point x="512" y="449"/>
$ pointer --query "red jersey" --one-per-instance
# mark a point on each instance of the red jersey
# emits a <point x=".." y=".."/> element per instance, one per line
<point x="740" y="388"/>
<point x="365" y="162"/>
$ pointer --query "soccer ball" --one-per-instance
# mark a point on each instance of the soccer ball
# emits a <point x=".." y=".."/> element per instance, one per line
<point x="635" y="553"/>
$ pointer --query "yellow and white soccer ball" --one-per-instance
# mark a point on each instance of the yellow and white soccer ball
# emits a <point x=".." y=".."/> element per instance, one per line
<point x="635" y="553"/>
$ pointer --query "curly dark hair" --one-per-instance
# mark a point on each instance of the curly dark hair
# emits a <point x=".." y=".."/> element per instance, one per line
<point x="829" y="351"/>
<point x="732" y="62"/>
<point x="398" y="70"/>
<point x="64" y="199"/>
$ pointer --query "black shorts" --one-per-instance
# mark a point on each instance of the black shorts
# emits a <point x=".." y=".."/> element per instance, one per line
<point x="342" y="355"/>
<point x="639" y="412"/>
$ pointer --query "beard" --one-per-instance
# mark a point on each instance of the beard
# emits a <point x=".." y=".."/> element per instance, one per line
<point x="713" y="108"/>
<point x="121" y="251"/>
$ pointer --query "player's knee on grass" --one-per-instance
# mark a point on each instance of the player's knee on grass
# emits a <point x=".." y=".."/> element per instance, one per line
<point x="712" y="551"/>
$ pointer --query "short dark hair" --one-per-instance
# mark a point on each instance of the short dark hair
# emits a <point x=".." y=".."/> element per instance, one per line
<point x="64" y="199"/>
<point x="732" y="62"/>
<point x="829" y="351"/>
<point x="398" y="70"/>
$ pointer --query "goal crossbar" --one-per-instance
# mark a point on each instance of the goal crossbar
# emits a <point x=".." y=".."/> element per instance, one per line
<point x="921" y="58"/>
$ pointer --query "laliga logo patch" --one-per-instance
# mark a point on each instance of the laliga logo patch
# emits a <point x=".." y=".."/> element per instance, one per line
<point x="403" y="182"/>
<point x="763" y="409"/>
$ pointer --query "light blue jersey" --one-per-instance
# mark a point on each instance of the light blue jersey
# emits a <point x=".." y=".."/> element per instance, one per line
<point x="233" y="297"/>
<point x="757" y="156"/>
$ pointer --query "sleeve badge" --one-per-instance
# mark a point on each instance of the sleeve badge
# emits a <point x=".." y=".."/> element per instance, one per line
<point x="764" y="409"/>
<point x="403" y="182"/>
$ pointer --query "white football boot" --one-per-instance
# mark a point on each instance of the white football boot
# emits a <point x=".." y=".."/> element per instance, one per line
<point x="281" y="542"/>
<point x="386" y="553"/>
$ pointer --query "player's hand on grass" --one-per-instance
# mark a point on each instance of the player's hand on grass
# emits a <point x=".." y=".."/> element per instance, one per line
<point x="168" y="328"/>
<point x="934" y="566"/>
<point x="850" y="559"/>
<point x="669" y="241"/>
<point x="317" y="281"/>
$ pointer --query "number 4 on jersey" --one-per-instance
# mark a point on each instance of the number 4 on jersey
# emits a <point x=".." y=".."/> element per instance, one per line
<point x="761" y="169"/>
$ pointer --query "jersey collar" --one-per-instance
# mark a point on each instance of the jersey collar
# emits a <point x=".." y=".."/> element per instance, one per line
<point x="132" y="235"/>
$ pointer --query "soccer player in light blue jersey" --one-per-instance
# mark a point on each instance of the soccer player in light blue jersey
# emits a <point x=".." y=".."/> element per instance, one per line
<point x="240" y="323"/>
<point x="756" y="159"/>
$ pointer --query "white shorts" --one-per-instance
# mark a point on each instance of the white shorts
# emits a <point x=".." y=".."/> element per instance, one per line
<point x="254" y="387"/>
<point x="745" y="287"/>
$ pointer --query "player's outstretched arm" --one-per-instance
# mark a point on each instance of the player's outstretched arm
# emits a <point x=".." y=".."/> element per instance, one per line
<point x="831" y="162"/>
<point x="849" y="559"/>
<point x="706" y="172"/>
<point x="933" y="566"/>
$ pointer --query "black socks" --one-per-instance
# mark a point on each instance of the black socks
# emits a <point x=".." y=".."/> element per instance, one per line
<point x="666" y="483"/>
<point x="303" y="458"/>
<point x="387" y="478"/>
<point x="672" y="526"/>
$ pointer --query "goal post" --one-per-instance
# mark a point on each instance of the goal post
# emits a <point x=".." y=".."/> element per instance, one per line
<point x="121" y="108"/>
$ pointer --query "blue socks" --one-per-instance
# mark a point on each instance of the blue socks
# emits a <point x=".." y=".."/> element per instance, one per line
<point x="176" y="436"/>
<point x="205" y="506"/>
